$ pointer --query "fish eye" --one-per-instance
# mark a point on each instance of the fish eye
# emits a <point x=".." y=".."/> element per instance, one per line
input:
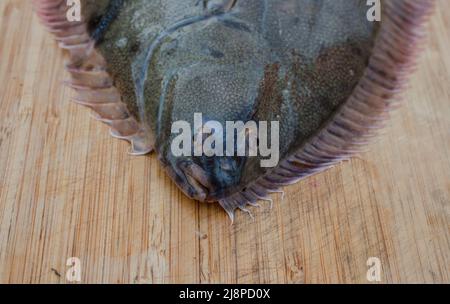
<point x="218" y="6"/>
<point x="226" y="166"/>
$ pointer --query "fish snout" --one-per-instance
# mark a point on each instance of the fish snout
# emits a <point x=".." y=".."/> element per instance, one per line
<point x="197" y="183"/>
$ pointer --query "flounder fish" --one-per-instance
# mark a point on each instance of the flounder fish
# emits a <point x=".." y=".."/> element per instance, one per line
<point x="327" y="71"/>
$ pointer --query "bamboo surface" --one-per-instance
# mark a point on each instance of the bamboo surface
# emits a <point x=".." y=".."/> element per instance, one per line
<point x="67" y="189"/>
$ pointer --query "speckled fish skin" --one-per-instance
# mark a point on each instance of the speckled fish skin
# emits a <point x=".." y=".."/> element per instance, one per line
<point x="320" y="68"/>
<point x="286" y="60"/>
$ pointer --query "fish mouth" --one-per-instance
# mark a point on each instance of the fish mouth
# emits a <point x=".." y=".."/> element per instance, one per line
<point x="192" y="180"/>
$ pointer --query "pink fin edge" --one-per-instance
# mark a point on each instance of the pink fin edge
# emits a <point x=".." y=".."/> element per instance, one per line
<point x="93" y="85"/>
<point x="362" y="115"/>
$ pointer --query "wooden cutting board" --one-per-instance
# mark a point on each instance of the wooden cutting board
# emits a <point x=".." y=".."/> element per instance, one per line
<point x="67" y="189"/>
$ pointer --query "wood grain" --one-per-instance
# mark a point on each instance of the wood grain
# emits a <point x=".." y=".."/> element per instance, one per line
<point x="67" y="189"/>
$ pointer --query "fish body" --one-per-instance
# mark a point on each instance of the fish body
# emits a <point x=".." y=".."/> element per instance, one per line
<point x="322" y="70"/>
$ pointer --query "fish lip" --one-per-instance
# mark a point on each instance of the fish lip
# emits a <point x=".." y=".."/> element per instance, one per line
<point x="192" y="187"/>
<point x="199" y="181"/>
<point x="196" y="182"/>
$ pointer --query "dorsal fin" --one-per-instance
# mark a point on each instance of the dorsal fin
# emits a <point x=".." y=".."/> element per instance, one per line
<point x="93" y="85"/>
<point x="351" y="127"/>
